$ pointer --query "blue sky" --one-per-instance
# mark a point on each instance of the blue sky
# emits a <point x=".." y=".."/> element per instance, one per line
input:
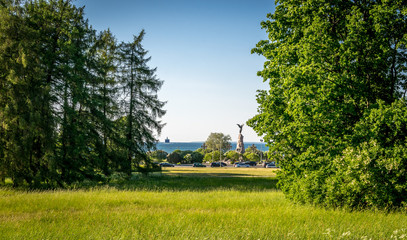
<point x="202" y="52"/>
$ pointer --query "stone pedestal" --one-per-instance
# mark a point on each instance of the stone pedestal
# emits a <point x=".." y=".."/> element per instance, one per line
<point x="240" y="144"/>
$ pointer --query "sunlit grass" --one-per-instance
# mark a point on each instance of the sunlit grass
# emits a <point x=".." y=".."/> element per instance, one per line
<point x="184" y="207"/>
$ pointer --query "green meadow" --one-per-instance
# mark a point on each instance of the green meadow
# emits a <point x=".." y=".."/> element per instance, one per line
<point x="185" y="203"/>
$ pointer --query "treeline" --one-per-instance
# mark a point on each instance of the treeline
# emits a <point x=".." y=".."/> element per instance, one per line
<point x="208" y="155"/>
<point x="74" y="104"/>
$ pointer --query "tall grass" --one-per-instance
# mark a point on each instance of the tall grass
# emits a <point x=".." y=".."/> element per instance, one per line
<point x="179" y="207"/>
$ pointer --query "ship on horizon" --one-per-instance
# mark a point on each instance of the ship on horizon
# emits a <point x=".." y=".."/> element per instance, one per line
<point x="167" y="140"/>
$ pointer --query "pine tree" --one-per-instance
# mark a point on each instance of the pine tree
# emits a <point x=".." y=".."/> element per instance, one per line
<point x="104" y="92"/>
<point x="26" y="135"/>
<point x="62" y="119"/>
<point x="141" y="104"/>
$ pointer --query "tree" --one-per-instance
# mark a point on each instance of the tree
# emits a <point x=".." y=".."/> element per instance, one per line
<point x="251" y="156"/>
<point x="253" y="149"/>
<point x="159" y="155"/>
<point x="104" y="92"/>
<point x="252" y="153"/>
<point x="330" y="65"/>
<point x="60" y="116"/>
<point x="216" y="141"/>
<point x="174" y="157"/>
<point x="188" y="158"/>
<point x="232" y="155"/>
<point x="44" y="51"/>
<point x="141" y="104"/>
<point x="213" y="156"/>
<point x="197" y="157"/>
<point x="183" y="153"/>
<point x="202" y="151"/>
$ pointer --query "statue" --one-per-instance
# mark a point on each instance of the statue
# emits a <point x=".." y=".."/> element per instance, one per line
<point x="241" y="127"/>
<point x="240" y="144"/>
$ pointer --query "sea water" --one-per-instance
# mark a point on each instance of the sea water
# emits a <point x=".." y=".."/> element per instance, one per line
<point x="183" y="146"/>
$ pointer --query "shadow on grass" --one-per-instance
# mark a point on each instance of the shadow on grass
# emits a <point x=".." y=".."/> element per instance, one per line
<point x="176" y="182"/>
<point x="211" y="174"/>
<point x="196" y="183"/>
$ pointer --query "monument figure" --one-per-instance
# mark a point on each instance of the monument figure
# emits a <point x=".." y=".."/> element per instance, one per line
<point x="241" y="127"/>
<point x="240" y="144"/>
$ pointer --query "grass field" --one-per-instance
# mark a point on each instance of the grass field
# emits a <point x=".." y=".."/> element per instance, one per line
<point x="185" y="203"/>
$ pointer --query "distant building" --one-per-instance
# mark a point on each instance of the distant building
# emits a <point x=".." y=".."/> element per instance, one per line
<point x="167" y="140"/>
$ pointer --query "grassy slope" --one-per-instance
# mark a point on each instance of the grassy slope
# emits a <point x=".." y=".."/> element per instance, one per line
<point x="177" y="206"/>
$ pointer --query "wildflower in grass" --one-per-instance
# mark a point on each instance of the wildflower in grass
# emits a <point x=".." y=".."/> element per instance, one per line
<point x="345" y="234"/>
<point x="399" y="234"/>
<point x="328" y="232"/>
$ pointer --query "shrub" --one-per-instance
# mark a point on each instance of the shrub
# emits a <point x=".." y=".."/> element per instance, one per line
<point x="232" y="155"/>
<point x="197" y="157"/>
<point x="174" y="157"/>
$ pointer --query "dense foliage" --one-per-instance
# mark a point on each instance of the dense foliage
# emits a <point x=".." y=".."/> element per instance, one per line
<point x="157" y="155"/>
<point x="74" y="104"/>
<point x="218" y="141"/>
<point x="335" y="112"/>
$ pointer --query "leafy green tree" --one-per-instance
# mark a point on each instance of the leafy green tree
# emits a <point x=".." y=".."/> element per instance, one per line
<point x="197" y="157"/>
<point x="183" y="153"/>
<point x="253" y="149"/>
<point x="232" y="155"/>
<point x="251" y="156"/>
<point x="252" y="153"/>
<point x="188" y="158"/>
<point x="174" y="157"/>
<point x="192" y="157"/>
<point x="216" y="141"/>
<point x="208" y="157"/>
<point x="213" y="156"/>
<point x="329" y="65"/>
<point x="202" y="151"/>
<point x="159" y="155"/>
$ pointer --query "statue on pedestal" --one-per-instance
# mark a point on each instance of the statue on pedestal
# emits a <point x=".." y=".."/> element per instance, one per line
<point x="240" y="144"/>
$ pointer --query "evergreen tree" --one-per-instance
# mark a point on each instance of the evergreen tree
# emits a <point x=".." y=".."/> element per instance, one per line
<point x="141" y="104"/>
<point x="103" y="90"/>
<point x="60" y="85"/>
<point x="27" y="131"/>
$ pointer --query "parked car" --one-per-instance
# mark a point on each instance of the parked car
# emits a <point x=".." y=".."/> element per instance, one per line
<point x="264" y="164"/>
<point x="165" y="164"/>
<point x="217" y="164"/>
<point x="251" y="163"/>
<point x="242" y="165"/>
<point x="198" y="165"/>
<point x="271" y="165"/>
